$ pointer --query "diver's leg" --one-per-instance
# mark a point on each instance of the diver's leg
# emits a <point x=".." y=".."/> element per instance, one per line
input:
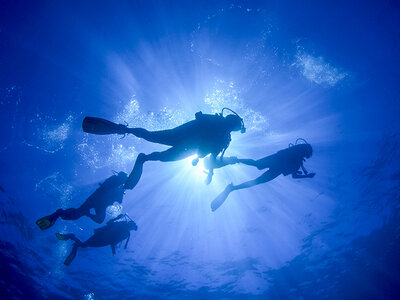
<point x="136" y="173"/>
<point x="72" y="255"/>
<point x="172" y="154"/>
<point x="263" y="163"/>
<point x="267" y="176"/>
<point x="65" y="214"/>
<point x="69" y="236"/>
<point x="165" y="137"/>
<point x="220" y="199"/>
<point x="71" y="213"/>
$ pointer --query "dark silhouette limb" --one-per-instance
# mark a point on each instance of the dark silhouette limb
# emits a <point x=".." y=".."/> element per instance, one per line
<point x="70" y="236"/>
<point x="249" y="162"/>
<point x="220" y="199"/>
<point x="299" y="175"/>
<point x="99" y="216"/>
<point x="164" y="137"/>
<point x="172" y="154"/>
<point x="127" y="240"/>
<point x="212" y="162"/>
<point x="260" y="164"/>
<point x="72" y="255"/>
<point x="71" y="213"/>
<point x="265" y="177"/>
<point x="78" y="243"/>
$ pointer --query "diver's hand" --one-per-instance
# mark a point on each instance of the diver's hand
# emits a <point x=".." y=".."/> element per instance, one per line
<point x="195" y="161"/>
<point x="310" y="175"/>
<point x="232" y="160"/>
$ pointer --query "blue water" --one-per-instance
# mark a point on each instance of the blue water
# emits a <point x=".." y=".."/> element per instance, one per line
<point x="324" y="71"/>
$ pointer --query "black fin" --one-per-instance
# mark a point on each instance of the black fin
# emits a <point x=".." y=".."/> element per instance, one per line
<point x="71" y="256"/>
<point x="101" y="126"/>
<point x="217" y="202"/>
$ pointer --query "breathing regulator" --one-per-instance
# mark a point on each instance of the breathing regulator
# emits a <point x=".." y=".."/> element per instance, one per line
<point x="242" y="129"/>
<point x="298" y="142"/>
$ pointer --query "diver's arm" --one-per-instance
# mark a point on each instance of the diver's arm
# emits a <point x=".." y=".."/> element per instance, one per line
<point x="249" y="162"/>
<point x="231" y="160"/>
<point x="216" y="163"/>
<point x="210" y="168"/>
<point x="299" y="175"/>
<point x="127" y="240"/>
<point x="304" y="169"/>
<point x="113" y="249"/>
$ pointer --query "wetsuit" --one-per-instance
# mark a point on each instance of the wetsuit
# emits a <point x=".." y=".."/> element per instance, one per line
<point x="110" y="191"/>
<point x="207" y="134"/>
<point x="110" y="235"/>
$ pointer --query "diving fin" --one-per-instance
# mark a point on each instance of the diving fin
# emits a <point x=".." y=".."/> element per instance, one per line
<point x="101" y="126"/>
<point x="71" y="256"/>
<point x="217" y="202"/>
<point x="63" y="237"/>
<point x="46" y="222"/>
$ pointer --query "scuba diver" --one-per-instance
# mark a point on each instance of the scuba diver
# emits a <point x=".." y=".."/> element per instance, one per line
<point x="286" y="161"/>
<point x="207" y="134"/>
<point x="110" y="191"/>
<point x="112" y="234"/>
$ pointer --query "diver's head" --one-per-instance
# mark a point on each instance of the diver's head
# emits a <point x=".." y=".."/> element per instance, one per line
<point x="305" y="149"/>
<point x="234" y="122"/>
<point x="132" y="225"/>
<point x="122" y="177"/>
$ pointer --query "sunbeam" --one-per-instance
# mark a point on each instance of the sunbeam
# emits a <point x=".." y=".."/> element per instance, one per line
<point x="294" y="73"/>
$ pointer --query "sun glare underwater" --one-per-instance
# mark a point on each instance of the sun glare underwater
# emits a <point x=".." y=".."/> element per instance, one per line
<point x="327" y="72"/>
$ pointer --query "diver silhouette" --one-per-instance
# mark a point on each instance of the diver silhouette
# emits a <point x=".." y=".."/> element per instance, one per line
<point x="110" y="191"/>
<point x="110" y="235"/>
<point x="207" y="134"/>
<point x="286" y="161"/>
